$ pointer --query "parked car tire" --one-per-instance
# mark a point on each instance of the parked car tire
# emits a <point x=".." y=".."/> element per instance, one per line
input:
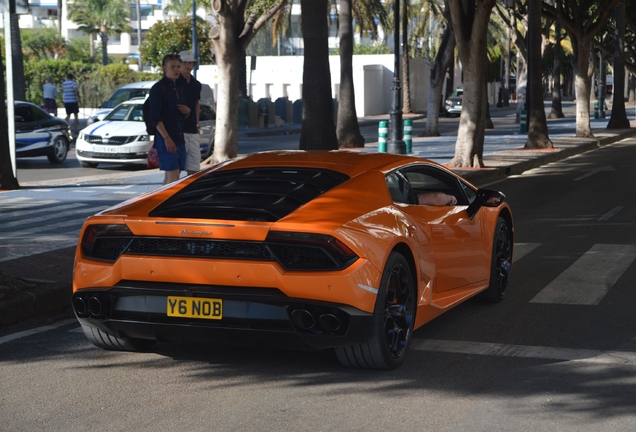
<point x="60" y="151"/>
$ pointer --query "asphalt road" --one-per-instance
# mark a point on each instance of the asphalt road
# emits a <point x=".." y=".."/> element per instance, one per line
<point x="559" y="354"/>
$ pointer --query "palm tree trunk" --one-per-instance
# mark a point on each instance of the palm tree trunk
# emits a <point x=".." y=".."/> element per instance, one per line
<point x="537" y="124"/>
<point x="618" y="119"/>
<point x="347" y="130"/>
<point x="443" y="61"/>
<point x="406" y="82"/>
<point x="318" y="131"/>
<point x="7" y="179"/>
<point x="19" y="85"/>
<point x="104" y="35"/>
<point x="557" y="107"/>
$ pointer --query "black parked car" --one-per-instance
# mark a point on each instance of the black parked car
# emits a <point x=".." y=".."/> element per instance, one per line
<point x="37" y="133"/>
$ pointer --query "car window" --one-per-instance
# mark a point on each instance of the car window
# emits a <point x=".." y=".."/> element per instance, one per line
<point x="137" y="113"/>
<point x="427" y="178"/>
<point x="206" y="113"/>
<point x="122" y="113"/>
<point x="23" y="114"/>
<point x="122" y="95"/>
<point x="38" y="115"/>
<point x="399" y="188"/>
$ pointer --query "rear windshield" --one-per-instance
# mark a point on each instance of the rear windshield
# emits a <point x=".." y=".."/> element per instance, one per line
<point x="255" y="194"/>
<point x="122" y="95"/>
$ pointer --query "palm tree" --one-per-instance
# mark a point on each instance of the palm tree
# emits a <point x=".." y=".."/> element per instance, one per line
<point x="102" y="17"/>
<point x="183" y="8"/>
<point x="317" y="131"/>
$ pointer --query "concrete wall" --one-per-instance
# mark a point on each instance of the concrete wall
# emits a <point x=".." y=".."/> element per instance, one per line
<point x="276" y="77"/>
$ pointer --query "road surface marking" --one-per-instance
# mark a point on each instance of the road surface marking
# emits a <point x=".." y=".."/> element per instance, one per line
<point x="595" y="171"/>
<point x="524" y="351"/>
<point x="27" y="333"/>
<point x="587" y="280"/>
<point x="522" y="249"/>
<point x="610" y="214"/>
<point x="38" y="208"/>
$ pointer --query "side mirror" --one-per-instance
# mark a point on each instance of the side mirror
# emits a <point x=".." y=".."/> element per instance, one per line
<point x="485" y="198"/>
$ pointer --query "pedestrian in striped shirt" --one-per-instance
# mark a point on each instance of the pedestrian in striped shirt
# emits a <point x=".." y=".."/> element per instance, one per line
<point x="71" y="99"/>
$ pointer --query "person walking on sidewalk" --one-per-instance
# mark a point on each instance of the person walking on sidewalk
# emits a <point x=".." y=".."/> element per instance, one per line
<point x="50" y="94"/>
<point x="71" y="99"/>
<point x="192" y="88"/>
<point x="168" y="110"/>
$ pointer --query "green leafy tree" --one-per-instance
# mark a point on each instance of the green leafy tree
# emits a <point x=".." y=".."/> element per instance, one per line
<point x="183" y="8"/>
<point x="42" y="43"/>
<point x="101" y="17"/>
<point x="173" y="36"/>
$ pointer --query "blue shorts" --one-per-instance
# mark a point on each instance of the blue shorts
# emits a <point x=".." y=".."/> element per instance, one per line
<point x="170" y="161"/>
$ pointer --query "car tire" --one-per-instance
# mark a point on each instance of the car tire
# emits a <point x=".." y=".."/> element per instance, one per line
<point x="500" y="265"/>
<point x="393" y="321"/>
<point x="106" y="341"/>
<point x="89" y="164"/>
<point x="60" y="150"/>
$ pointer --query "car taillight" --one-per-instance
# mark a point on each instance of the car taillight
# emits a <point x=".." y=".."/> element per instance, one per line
<point x="304" y="251"/>
<point x="106" y="242"/>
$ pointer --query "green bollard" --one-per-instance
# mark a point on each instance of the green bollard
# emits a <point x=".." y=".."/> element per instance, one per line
<point x="408" y="135"/>
<point x="523" y="121"/>
<point x="383" y="131"/>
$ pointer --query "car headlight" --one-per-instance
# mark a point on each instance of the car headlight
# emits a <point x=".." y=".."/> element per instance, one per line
<point x="81" y="136"/>
<point x="144" y="138"/>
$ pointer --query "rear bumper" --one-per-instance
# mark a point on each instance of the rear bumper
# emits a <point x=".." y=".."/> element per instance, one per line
<point x="254" y="317"/>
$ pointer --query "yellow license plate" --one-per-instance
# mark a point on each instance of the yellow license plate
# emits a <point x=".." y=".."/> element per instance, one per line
<point x="195" y="307"/>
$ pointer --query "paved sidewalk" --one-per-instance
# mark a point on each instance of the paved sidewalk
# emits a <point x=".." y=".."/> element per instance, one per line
<point x="41" y="283"/>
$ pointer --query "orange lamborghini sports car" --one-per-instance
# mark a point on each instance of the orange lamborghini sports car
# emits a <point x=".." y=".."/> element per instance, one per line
<point x="319" y="250"/>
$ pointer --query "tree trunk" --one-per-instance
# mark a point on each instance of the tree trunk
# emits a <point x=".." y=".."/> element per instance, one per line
<point x="7" y="179"/>
<point x="557" y="107"/>
<point x="59" y="17"/>
<point x="318" y="131"/>
<point x="582" y="83"/>
<point x="406" y="79"/>
<point x="537" y="124"/>
<point x="19" y="85"/>
<point x="104" y="36"/>
<point x="618" y="119"/>
<point x="472" y="43"/>
<point x="347" y="130"/>
<point x="444" y="59"/>
<point x="228" y="60"/>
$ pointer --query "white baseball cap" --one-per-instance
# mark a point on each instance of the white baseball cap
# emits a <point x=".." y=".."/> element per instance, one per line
<point x="187" y="56"/>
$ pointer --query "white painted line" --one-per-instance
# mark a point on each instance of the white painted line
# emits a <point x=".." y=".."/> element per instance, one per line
<point x="47" y="218"/>
<point x="23" y="202"/>
<point x="595" y="171"/>
<point x="610" y="214"/>
<point x="34" y="210"/>
<point x="524" y="351"/>
<point x="522" y="249"/>
<point x="76" y="224"/>
<point x="27" y="333"/>
<point x="587" y="280"/>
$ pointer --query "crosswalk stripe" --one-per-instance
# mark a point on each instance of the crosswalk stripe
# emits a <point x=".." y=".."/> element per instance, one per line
<point x="17" y="203"/>
<point x="522" y="249"/>
<point x="40" y="209"/>
<point x="588" y="280"/>
<point x="45" y="218"/>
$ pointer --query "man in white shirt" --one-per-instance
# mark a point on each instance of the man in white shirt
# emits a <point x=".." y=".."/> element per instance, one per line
<point x="50" y="95"/>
